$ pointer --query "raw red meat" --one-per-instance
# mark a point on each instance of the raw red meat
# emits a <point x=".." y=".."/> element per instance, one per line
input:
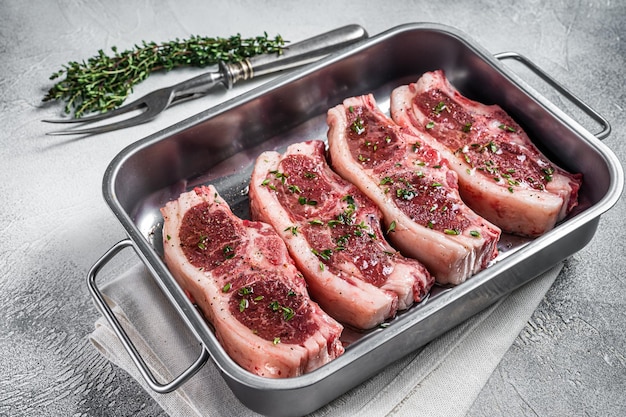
<point x="240" y="275"/>
<point x="502" y="175"/>
<point x="333" y="233"/>
<point x="416" y="191"/>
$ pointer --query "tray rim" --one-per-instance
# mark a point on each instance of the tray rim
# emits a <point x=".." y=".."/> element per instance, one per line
<point x="228" y="367"/>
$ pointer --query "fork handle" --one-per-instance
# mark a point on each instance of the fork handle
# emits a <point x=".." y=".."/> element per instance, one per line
<point x="298" y="54"/>
<point x="295" y="55"/>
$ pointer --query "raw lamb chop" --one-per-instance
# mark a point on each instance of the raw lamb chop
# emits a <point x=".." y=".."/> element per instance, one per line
<point x="240" y="275"/>
<point x="416" y="191"/>
<point x="502" y="175"/>
<point x="333" y="233"/>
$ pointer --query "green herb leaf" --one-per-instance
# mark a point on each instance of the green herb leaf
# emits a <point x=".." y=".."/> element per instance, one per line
<point x="294" y="189"/>
<point x="324" y="254"/>
<point x="357" y="126"/>
<point x="440" y="107"/>
<point x="274" y="305"/>
<point x="293" y="229"/>
<point x="288" y="313"/>
<point x="280" y="175"/>
<point x="103" y="82"/>
<point x="202" y="241"/>
<point x="507" y="128"/>
<point x="405" y="194"/>
<point x="229" y="252"/>
<point x="306" y="202"/>
<point x="548" y="173"/>
<point x="245" y="290"/>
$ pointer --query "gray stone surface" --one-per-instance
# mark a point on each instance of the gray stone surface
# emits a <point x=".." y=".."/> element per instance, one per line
<point x="569" y="360"/>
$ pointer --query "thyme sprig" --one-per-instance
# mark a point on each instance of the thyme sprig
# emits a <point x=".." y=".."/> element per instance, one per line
<point x="104" y="82"/>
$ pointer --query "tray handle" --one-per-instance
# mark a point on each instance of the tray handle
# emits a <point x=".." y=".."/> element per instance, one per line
<point x="123" y="336"/>
<point x="606" y="127"/>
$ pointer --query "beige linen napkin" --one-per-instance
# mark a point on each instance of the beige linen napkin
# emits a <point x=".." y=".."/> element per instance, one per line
<point x="442" y="379"/>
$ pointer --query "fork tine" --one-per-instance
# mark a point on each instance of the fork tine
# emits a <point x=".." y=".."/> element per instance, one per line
<point x="144" y="117"/>
<point x="155" y="103"/>
<point x="137" y="104"/>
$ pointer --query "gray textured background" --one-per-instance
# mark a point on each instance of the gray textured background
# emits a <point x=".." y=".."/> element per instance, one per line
<point x="569" y="360"/>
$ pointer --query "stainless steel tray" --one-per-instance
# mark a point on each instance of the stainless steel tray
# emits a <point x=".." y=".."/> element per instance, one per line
<point x="219" y="146"/>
